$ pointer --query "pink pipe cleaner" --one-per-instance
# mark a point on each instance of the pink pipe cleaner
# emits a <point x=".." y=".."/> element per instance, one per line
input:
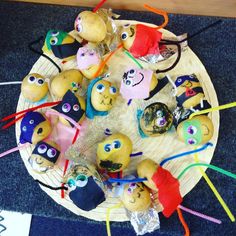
<point x="214" y="220"/>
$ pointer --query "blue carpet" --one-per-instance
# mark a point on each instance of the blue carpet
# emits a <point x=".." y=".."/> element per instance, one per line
<point x="21" y="23"/>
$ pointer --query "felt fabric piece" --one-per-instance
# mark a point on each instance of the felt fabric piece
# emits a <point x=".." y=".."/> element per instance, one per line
<point x="181" y="79"/>
<point x="87" y="57"/>
<point x="136" y="83"/>
<point x="47" y="151"/>
<point x="188" y="94"/>
<point x="90" y="110"/>
<point x="139" y="115"/>
<point x="52" y="35"/>
<point x="192" y="132"/>
<point x="65" y="50"/>
<point x="28" y="124"/>
<point x="87" y="197"/>
<point x="161" y="84"/>
<point x="146" y="41"/>
<point x="70" y="106"/>
<point x="168" y="190"/>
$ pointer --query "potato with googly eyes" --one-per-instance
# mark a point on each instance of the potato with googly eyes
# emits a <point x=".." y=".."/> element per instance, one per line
<point x="85" y="187"/>
<point x="113" y="154"/>
<point x="44" y="156"/>
<point x="64" y="81"/>
<point x="88" y="62"/>
<point x="156" y="119"/>
<point x="140" y="40"/>
<point x="73" y="106"/>
<point x="196" y="131"/>
<point x="136" y="197"/>
<point x="189" y="92"/>
<point x="34" y="87"/>
<point x="103" y="95"/>
<point x="90" y="26"/>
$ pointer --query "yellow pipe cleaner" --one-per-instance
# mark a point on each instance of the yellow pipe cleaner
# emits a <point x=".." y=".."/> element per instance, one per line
<point x="214" y="190"/>
<point x="222" y="107"/>
<point x="108" y="217"/>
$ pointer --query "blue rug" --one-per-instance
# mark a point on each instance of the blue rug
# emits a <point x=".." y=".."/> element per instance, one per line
<point x="21" y="23"/>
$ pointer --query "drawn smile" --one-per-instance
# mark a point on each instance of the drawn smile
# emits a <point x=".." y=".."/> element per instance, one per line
<point x="38" y="161"/>
<point x="140" y="80"/>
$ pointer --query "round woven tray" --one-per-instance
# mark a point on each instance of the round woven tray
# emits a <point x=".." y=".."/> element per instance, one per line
<point x="122" y="118"/>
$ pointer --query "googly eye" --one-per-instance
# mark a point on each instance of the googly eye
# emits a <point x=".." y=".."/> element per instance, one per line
<point x="40" y="82"/>
<point x="107" y="148"/>
<point x="128" y="82"/>
<point x="71" y="183"/>
<point x="53" y="41"/>
<point x="76" y="107"/>
<point x="81" y="180"/>
<point x="159" y="113"/>
<point x="124" y="35"/>
<point x="54" y="33"/>
<point x="42" y="148"/>
<point x="116" y="144"/>
<point x="192" y="130"/>
<point x="161" y="122"/>
<point x="31" y="79"/>
<point x="66" y="107"/>
<point x="192" y="141"/>
<point x="132" y="72"/>
<point x="79" y="28"/>
<point x="113" y="90"/>
<point x="129" y="190"/>
<point x="78" y="19"/>
<point x="24" y="128"/>
<point x="126" y="25"/>
<point x="100" y="88"/>
<point x="52" y="152"/>
<point x="132" y="185"/>
<point x="31" y="122"/>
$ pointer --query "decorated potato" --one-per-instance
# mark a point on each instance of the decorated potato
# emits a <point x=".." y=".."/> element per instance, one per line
<point x="101" y="96"/>
<point x="90" y="26"/>
<point x="196" y="131"/>
<point x="156" y="119"/>
<point x="140" y="40"/>
<point x="85" y="187"/>
<point x="61" y="44"/>
<point x="65" y="81"/>
<point x="73" y="106"/>
<point x="161" y="180"/>
<point x="113" y="154"/>
<point x="136" y="197"/>
<point x="34" y="127"/>
<point x="88" y="62"/>
<point x="189" y="92"/>
<point x="34" y="87"/>
<point x="44" y="156"/>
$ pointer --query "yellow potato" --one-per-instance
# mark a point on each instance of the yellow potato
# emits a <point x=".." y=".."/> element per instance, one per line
<point x="113" y="154"/>
<point x="34" y="88"/>
<point x="196" y="131"/>
<point x="103" y="95"/>
<point x="91" y="27"/>
<point x="136" y="197"/>
<point x="62" y="82"/>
